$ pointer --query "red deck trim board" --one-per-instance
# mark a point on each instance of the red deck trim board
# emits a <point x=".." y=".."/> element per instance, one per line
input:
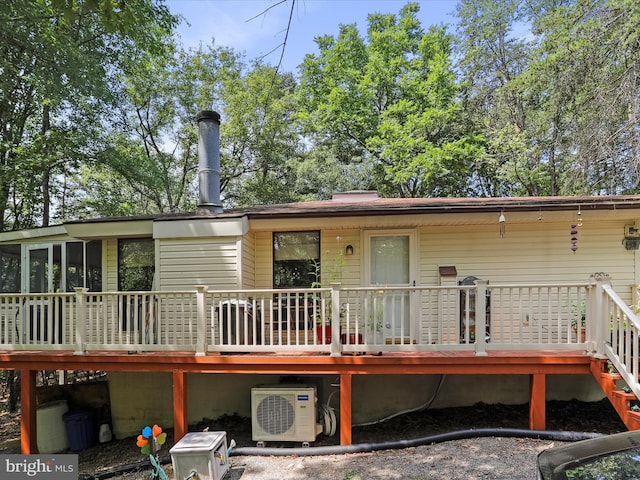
<point x="496" y="362"/>
<point x="537" y="364"/>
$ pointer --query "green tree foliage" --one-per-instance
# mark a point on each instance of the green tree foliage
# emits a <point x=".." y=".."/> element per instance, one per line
<point x="259" y="137"/>
<point x="100" y="192"/>
<point x="57" y="65"/>
<point x="97" y="108"/>
<point x="319" y="174"/>
<point x="154" y="149"/>
<point x="553" y="86"/>
<point x="493" y="56"/>
<point x="597" y="64"/>
<point x="391" y="102"/>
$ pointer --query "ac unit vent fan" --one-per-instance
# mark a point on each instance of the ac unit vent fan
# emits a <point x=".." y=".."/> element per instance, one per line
<point x="275" y="414"/>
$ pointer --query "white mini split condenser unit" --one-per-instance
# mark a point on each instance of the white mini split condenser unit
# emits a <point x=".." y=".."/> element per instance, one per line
<point x="284" y="413"/>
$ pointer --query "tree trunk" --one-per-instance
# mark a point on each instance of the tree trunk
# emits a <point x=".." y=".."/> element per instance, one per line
<point x="13" y="381"/>
<point x="46" y="197"/>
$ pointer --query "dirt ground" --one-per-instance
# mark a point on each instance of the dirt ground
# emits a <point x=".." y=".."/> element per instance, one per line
<point x="576" y="416"/>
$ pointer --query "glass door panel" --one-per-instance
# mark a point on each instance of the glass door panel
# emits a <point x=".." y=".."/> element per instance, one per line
<point x="74" y="268"/>
<point x="389" y="266"/>
<point x="390" y="260"/>
<point x="57" y="272"/>
<point x="39" y="270"/>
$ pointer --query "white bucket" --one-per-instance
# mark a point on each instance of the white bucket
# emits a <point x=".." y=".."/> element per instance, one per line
<point x="104" y="433"/>
<point x="52" y="435"/>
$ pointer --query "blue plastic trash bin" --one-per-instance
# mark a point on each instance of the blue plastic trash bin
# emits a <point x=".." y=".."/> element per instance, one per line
<point x="80" y="431"/>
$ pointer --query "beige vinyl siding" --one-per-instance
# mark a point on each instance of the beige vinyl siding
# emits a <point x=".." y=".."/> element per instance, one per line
<point x="527" y="255"/>
<point x="110" y="273"/>
<point x="185" y="263"/>
<point x="336" y="266"/>
<point x="531" y="251"/>
<point x="248" y="261"/>
<point x="264" y="259"/>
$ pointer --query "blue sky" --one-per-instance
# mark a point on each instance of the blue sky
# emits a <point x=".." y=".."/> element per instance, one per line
<point x="229" y="22"/>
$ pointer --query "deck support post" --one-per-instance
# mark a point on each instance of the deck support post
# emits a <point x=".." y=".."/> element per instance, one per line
<point x="537" y="405"/>
<point x="28" y="406"/>
<point x="180" y="413"/>
<point x="345" y="408"/>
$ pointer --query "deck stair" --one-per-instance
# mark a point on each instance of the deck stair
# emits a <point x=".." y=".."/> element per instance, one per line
<point x="622" y="399"/>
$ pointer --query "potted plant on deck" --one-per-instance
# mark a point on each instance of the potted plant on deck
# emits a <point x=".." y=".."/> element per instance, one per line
<point x="578" y="322"/>
<point x="324" y="323"/>
<point x="324" y="319"/>
<point x="323" y="327"/>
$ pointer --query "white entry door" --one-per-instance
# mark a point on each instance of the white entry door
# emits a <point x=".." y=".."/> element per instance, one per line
<point x="390" y="265"/>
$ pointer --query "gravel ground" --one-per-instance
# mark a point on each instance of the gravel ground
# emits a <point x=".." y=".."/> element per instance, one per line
<point x="471" y="459"/>
<point x="494" y="458"/>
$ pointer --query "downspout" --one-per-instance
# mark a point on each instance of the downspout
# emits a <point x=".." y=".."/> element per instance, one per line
<point x="209" y="161"/>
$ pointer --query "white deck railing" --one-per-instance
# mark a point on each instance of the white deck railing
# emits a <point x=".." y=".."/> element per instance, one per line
<point x="334" y="320"/>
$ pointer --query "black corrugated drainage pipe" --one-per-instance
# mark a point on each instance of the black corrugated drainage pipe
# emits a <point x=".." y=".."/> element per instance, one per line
<point x="372" y="447"/>
<point x="416" y="442"/>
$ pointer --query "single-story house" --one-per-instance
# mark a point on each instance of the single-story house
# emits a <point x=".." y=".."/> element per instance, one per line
<point x="391" y="303"/>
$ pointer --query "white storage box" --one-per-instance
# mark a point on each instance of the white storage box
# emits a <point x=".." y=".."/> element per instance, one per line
<point x="52" y="434"/>
<point x="202" y="452"/>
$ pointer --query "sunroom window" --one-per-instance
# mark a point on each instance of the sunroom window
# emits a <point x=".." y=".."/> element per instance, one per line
<point x="94" y="266"/>
<point x="10" y="268"/>
<point x="136" y="267"/>
<point x="51" y="267"/>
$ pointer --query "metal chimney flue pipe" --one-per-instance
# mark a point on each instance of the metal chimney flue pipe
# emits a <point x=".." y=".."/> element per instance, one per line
<point x="209" y="161"/>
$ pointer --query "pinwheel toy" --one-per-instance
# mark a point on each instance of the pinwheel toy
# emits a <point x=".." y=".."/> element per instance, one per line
<point x="150" y="441"/>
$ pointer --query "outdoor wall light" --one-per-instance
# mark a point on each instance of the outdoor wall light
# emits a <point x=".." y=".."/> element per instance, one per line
<point x="348" y="250"/>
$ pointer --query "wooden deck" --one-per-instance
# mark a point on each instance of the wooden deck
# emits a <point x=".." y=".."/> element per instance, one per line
<point x="534" y="363"/>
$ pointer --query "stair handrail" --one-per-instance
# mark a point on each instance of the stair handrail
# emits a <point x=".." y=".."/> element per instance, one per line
<point x="617" y="336"/>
